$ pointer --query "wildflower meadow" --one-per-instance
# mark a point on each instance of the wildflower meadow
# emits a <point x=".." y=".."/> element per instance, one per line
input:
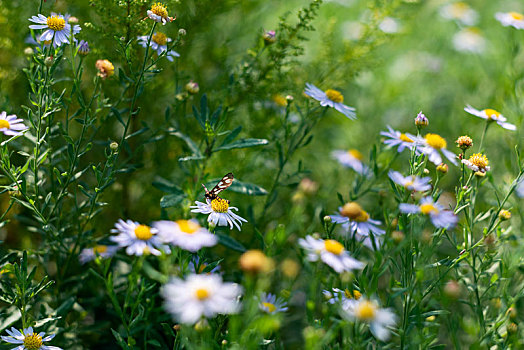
<point x="261" y="174"/>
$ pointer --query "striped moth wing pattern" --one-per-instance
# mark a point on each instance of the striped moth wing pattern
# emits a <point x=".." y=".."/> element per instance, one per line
<point x="226" y="181"/>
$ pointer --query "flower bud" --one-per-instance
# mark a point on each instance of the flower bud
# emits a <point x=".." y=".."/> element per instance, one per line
<point x="270" y="37"/>
<point x="49" y="61"/>
<point x="327" y="219"/>
<point x="192" y="87"/>
<point x="289" y="99"/>
<point x="28" y="51"/>
<point x="464" y="142"/>
<point x="512" y="313"/>
<point x="512" y="328"/>
<point x="182" y="32"/>
<point x="73" y="20"/>
<point x="442" y="168"/>
<point x="421" y="120"/>
<point x="290" y="268"/>
<point x="504" y="215"/>
<point x="397" y="236"/>
<point x="255" y="261"/>
<point x="113" y="145"/>
<point x="452" y="290"/>
<point x="105" y="68"/>
<point x="83" y="48"/>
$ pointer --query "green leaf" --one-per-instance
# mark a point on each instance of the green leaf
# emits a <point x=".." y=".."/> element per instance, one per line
<point x="230" y="242"/>
<point x="243" y="143"/>
<point x="166" y="186"/>
<point x="192" y="145"/>
<point x="171" y="200"/>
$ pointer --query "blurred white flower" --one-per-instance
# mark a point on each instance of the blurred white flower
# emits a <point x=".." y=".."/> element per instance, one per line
<point x="187" y="234"/>
<point x="412" y="182"/>
<point x="351" y="159"/>
<point x="491" y="115"/>
<point x="365" y="310"/>
<point x="513" y="19"/>
<point x="330" y="252"/>
<point x="200" y="296"/>
<point x="103" y="251"/>
<point x="439" y="217"/>
<point x="469" y="40"/>
<point x="137" y="239"/>
<point x="389" y="25"/>
<point x="459" y="11"/>
<point x="330" y="98"/>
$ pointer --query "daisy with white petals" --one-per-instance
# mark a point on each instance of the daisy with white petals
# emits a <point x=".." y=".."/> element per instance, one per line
<point x="351" y="159"/>
<point x="270" y="304"/>
<point x="159" y="44"/>
<point x="138" y="239"/>
<point x="398" y="139"/>
<point x="433" y="145"/>
<point x="200" y="296"/>
<point x="368" y="311"/>
<point x="10" y="125"/>
<point x="439" y="217"/>
<point x="28" y="340"/>
<point x="57" y="28"/>
<point x="330" y="252"/>
<point x="158" y="13"/>
<point x="491" y="115"/>
<point x="331" y="98"/>
<point x="469" y="40"/>
<point x="478" y="162"/>
<point x="411" y="182"/>
<point x="459" y="11"/>
<point x="513" y="19"/>
<point x="220" y="213"/>
<point x="187" y="234"/>
<point x="103" y="251"/>
<point x="356" y="220"/>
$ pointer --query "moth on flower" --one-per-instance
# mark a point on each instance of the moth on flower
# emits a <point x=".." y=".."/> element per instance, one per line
<point x="330" y="98"/>
<point x="220" y="213"/>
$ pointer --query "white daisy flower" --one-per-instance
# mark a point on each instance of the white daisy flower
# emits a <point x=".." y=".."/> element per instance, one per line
<point x="337" y="295"/>
<point x="398" y="139"/>
<point x="28" y="340"/>
<point x="351" y="159"/>
<point x="433" y="145"/>
<point x="187" y="234"/>
<point x="513" y="19"/>
<point x="57" y="28"/>
<point x="270" y="304"/>
<point x="491" y="115"/>
<point x="459" y="11"/>
<point x="331" y="98"/>
<point x="412" y="182"/>
<point x="477" y="162"/>
<point x="469" y="40"/>
<point x="159" y="44"/>
<point x="200" y="296"/>
<point x="356" y="220"/>
<point x="10" y="125"/>
<point x="103" y="251"/>
<point x="330" y="252"/>
<point x="138" y="239"/>
<point x="439" y="217"/>
<point x="220" y="213"/>
<point x="365" y="310"/>
<point x="158" y="13"/>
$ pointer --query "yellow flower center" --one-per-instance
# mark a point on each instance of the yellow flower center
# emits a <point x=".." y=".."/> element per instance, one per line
<point x="459" y="9"/>
<point x="491" y="113"/>
<point x="354" y="211"/>
<point x="428" y="208"/>
<point x="143" y="232"/>
<point x="160" y="39"/>
<point x="270" y="307"/>
<point x="4" y="124"/>
<point x="188" y="226"/>
<point x="219" y="205"/>
<point x="404" y="138"/>
<point x="356" y="154"/>
<point x="159" y="9"/>
<point x="479" y="160"/>
<point x="280" y="100"/>
<point x="56" y="23"/>
<point x="410" y="183"/>
<point x="365" y="311"/>
<point x="202" y="294"/>
<point x="435" y="141"/>
<point x="32" y="342"/>
<point x="516" y="16"/>
<point x="356" y="294"/>
<point x="334" y="96"/>
<point x="333" y="246"/>
<point x="99" y="249"/>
